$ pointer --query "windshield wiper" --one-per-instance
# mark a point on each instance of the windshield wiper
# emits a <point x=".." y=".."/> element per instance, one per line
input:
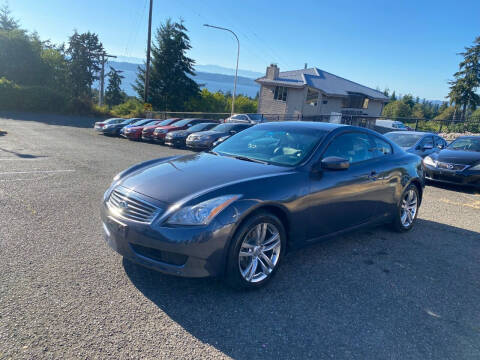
<point x="239" y="157"/>
<point x="212" y="152"/>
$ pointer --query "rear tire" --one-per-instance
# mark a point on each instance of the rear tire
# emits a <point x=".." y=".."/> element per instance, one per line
<point x="407" y="210"/>
<point x="256" y="251"/>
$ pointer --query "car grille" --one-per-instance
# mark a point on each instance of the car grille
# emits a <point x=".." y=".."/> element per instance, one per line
<point x="130" y="207"/>
<point x="452" y="167"/>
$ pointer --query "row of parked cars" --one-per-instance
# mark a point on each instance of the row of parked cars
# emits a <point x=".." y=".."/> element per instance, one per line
<point x="193" y="133"/>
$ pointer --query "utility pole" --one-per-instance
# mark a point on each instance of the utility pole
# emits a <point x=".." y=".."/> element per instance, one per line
<point x="105" y="57"/>
<point x="147" y="68"/>
<point x="236" y="68"/>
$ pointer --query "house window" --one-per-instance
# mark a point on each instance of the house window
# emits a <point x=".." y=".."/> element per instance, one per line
<point x="280" y="93"/>
<point x="312" y="97"/>
<point x="355" y="101"/>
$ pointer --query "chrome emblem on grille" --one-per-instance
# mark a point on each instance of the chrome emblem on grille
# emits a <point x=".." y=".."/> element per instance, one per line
<point x="450" y="166"/>
<point x="123" y="204"/>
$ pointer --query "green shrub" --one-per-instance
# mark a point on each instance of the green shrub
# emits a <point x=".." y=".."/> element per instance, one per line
<point x="130" y="108"/>
<point x="30" y="98"/>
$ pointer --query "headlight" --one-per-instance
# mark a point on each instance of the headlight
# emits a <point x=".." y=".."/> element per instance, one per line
<point x="429" y="161"/>
<point x="203" y="213"/>
<point x="476" y="167"/>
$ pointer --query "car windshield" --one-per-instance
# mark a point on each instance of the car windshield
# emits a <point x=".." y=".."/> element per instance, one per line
<point x="200" y="127"/>
<point x="467" y="144"/>
<point x="126" y="121"/>
<point x="256" y="117"/>
<point x="287" y="146"/>
<point x="399" y="125"/>
<point x="141" y="122"/>
<point x="183" y="122"/>
<point x="404" y="140"/>
<point x="113" y="121"/>
<point x="154" y="122"/>
<point x="225" y="127"/>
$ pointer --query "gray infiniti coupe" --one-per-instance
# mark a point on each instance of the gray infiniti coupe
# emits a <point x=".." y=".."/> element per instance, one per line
<point x="235" y="210"/>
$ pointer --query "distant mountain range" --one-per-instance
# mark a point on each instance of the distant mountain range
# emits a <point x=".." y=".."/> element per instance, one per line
<point x="213" y="77"/>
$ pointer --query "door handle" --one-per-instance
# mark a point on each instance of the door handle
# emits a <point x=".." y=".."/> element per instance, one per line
<point x="373" y="176"/>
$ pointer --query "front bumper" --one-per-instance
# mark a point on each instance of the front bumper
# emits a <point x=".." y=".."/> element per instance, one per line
<point x="133" y="136"/>
<point x="199" y="144"/>
<point x="466" y="177"/>
<point x="176" y="142"/>
<point x="147" y="137"/>
<point x="183" y="251"/>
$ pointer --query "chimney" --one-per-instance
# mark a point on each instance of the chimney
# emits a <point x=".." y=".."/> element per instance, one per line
<point x="272" y="72"/>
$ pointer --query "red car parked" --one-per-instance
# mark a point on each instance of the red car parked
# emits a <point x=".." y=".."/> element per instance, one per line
<point x="135" y="132"/>
<point x="147" y="132"/>
<point x="161" y="131"/>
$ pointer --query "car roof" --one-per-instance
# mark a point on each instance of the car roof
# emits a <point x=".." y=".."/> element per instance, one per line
<point x="313" y="125"/>
<point x="411" y="132"/>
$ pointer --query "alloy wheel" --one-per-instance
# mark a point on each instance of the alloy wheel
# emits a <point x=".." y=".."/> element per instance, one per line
<point x="409" y="208"/>
<point x="259" y="252"/>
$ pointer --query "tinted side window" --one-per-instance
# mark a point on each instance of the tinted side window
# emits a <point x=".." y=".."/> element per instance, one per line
<point x="381" y="147"/>
<point x="240" y="127"/>
<point x="354" y="147"/>
<point x="428" y="140"/>
<point x="440" y="143"/>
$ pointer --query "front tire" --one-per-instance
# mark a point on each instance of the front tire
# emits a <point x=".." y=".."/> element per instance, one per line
<point x="256" y="250"/>
<point x="407" y="209"/>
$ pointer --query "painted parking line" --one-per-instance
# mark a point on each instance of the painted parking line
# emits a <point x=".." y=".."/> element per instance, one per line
<point x="35" y="172"/>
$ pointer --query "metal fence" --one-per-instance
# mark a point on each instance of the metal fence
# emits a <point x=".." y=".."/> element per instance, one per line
<point x="468" y="125"/>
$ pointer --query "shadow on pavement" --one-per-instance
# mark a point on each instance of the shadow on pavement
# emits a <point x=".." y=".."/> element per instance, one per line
<point x="22" y="156"/>
<point x="453" y="187"/>
<point x="52" y="119"/>
<point x="373" y="294"/>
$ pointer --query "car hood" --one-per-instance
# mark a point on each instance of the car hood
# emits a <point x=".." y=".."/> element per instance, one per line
<point x="135" y="128"/>
<point x="176" y="178"/>
<point x="179" y="133"/>
<point x="150" y="127"/>
<point x="210" y="133"/>
<point x="458" y="156"/>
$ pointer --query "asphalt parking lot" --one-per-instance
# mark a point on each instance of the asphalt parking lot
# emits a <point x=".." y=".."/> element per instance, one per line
<point x="64" y="294"/>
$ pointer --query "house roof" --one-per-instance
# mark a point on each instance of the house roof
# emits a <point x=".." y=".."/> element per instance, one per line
<point x="323" y="81"/>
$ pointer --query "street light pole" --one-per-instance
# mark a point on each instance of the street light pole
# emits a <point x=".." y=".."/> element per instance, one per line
<point x="147" y="65"/>
<point x="236" y="68"/>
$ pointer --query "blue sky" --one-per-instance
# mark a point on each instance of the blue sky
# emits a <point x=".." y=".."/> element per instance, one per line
<point x="409" y="46"/>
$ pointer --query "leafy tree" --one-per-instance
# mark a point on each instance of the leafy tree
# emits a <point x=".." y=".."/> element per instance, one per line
<point x="114" y="94"/>
<point x="170" y="84"/>
<point x="84" y="62"/>
<point x="7" y="22"/>
<point x="20" y="58"/>
<point x="418" y="111"/>
<point x="408" y="100"/>
<point x="397" y="109"/>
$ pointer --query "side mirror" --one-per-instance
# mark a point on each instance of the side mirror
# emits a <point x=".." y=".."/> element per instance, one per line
<point x="428" y="147"/>
<point x="335" y="163"/>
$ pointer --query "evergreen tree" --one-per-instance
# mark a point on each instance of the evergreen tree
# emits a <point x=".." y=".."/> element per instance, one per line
<point x="467" y="80"/>
<point x="393" y="97"/>
<point x="7" y="22"/>
<point x="171" y="85"/>
<point x="114" y="94"/>
<point x="84" y="62"/>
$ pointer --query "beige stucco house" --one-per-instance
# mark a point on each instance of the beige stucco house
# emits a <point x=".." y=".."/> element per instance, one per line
<point x="313" y="92"/>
